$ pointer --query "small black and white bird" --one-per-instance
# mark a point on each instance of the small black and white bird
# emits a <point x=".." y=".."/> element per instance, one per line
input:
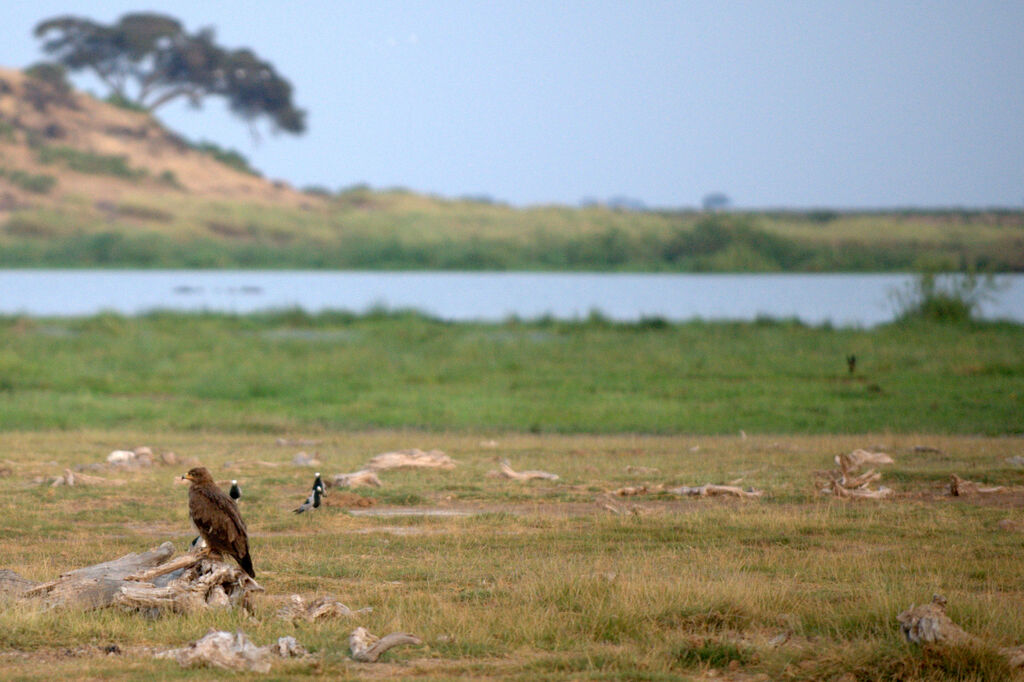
<point x="235" y="493"/>
<point x="319" y="483"/>
<point x="312" y="502"/>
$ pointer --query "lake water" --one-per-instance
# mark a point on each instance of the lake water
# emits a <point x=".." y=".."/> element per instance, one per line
<point x="859" y="300"/>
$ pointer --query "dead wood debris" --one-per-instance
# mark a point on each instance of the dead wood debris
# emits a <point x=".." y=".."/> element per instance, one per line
<point x="323" y="607"/>
<point x="710" y="490"/>
<point x="304" y="459"/>
<point x="959" y="487"/>
<point x="633" y="490"/>
<point x="642" y="471"/>
<point x="847" y="483"/>
<point x="928" y="624"/>
<point x="368" y="648"/>
<point x="236" y="651"/>
<point x="506" y="471"/>
<point x="71" y="478"/>
<point x="297" y="442"/>
<point x="356" y="479"/>
<point x="410" y="459"/>
<point x="151" y="582"/>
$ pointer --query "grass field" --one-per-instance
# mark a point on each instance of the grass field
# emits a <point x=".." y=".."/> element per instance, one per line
<point x="288" y="371"/>
<point x="365" y="229"/>
<point x="541" y="580"/>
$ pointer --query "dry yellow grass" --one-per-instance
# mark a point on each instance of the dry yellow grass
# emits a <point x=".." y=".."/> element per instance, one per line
<point x="547" y="579"/>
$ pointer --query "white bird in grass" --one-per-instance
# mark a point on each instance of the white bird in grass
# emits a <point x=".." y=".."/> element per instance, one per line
<point x="312" y="502"/>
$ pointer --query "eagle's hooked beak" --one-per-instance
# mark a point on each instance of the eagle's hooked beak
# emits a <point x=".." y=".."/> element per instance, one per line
<point x="186" y="477"/>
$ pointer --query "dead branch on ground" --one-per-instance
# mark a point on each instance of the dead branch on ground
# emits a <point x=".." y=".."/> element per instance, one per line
<point x="363" y="477"/>
<point x="323" y="607"/>
<point x="710" y="490"/>
<point x="959" y="487"/>
<point x="222" y="649"/>
<point x="506" y="471"/>
<point x="410" y="459"/>
<point x="151" y="582"/>
<point x="367" y="647"/>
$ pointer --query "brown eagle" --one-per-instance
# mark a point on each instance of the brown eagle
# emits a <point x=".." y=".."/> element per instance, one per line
<point x="216" y="517"/>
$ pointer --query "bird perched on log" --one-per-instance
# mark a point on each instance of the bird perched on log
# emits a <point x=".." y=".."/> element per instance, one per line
<point x="312" y="502"/>
<point x="319" y="483"/>
<point x="235" y="493"/>
<point x="216" y="517"/>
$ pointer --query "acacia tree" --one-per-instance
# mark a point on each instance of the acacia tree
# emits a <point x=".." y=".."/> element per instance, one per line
<point x="149" y="60"/>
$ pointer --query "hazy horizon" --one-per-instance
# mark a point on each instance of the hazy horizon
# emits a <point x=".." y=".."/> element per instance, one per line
<point x="866" y="106"/>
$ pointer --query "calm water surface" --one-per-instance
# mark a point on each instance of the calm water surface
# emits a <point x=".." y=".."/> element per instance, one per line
<point x="861" y="300"/>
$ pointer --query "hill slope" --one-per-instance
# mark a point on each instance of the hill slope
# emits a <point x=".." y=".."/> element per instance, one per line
<point x="84" y="183"/>
<point x="103" y="152"/>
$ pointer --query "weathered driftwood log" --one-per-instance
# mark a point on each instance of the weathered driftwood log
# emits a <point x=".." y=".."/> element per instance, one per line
<point x="236" y="651"/>
<point x="323" y="607"/>
<point x="708" y="490"/>
<point x="367" y="648"/>
<point x="96" y="586"/>
<point x="410" y="459"/>
<point x="13" y="584"/>
<point x="506" y="471"/>
<point x="362" y="477"/>
<point x="150" y="581"/>
<point x="959" y="487"/>
<point x="201" y="584"/>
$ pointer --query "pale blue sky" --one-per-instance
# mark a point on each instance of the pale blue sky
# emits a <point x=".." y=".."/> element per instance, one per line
<point x="777" y="104"/>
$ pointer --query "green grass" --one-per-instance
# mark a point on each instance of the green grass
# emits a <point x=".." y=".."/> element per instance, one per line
<point x="30" y="182"/>
<point x="278" y="372"/>
<point x="88" y="162"/>
<point x="361" y="229"/>
<point x="548" y="584"/>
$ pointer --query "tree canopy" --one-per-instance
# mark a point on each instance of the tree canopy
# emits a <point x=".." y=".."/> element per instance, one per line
<point x="149" y="60"/>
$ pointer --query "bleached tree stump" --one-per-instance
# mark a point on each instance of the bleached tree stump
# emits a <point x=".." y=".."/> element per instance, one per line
<point x="151" y="581"/>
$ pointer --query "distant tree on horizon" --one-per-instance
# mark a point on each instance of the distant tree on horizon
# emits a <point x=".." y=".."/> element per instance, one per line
<point x="715" y="201"/>
<point x="149" y="60"/>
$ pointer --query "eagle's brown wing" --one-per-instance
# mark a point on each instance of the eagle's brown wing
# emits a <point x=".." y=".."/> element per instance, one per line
<point x="216" y="517"/>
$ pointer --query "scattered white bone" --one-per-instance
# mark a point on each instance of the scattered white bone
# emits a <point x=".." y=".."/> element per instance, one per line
<point x="709" y="490"/>
<point x="323" y="607"/>
<point x="410" y="459"/>
<point x="506" y="471"/>
<point x="121" y="457"/>
<point x="854" y="460"/>
<point x="354" y="480"/>
<point x="929" y="624"/>
<point x="642" y="471"/>
<point x="367" y="647"/>
<point x="70" y="478"/>
<point x="236" y="651"/>
<point x="304" y="459"/>
<point x="959" y="487"/>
